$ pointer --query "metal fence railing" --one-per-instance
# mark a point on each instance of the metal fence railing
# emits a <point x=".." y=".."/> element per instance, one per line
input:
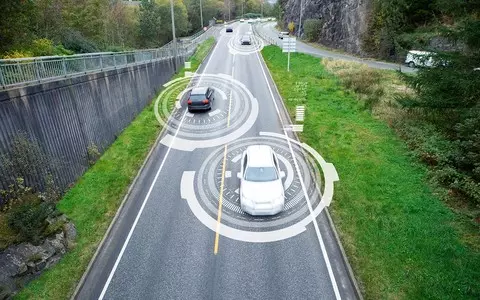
<point x="14" y="72"/>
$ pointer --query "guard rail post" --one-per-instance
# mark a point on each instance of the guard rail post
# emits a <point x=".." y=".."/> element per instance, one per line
<point x="37" y="73"/>
<point x="64" y="64"/>
<point x="2" y="79"/>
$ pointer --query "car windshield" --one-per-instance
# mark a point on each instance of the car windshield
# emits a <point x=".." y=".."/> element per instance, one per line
<point x="260" y="174"/>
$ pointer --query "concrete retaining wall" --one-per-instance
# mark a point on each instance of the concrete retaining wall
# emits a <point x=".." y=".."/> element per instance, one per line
<point x="67" y="116"/>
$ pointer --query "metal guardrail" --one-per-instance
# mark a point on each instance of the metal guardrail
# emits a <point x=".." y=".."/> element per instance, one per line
<point x="262" y="35"/>
<point x="21" y="71"/>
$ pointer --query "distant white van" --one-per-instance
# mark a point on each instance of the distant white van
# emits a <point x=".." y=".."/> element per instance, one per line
<point x="419" y="59"/>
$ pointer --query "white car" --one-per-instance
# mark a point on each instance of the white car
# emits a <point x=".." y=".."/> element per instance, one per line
<point x="419" y="59"/>
<point x="261" y="186"/>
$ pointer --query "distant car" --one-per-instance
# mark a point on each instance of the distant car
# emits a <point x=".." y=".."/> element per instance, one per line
<point x="283" y="34"/>
<point x="419" y="59"/>
<point x="261" y="186"/>
<point x="250" y="21"/>
<point x="242" y="20"/>
<point x="229" y="29"/>
<point x="200" y="98"/>
<point x="246" y="40"/>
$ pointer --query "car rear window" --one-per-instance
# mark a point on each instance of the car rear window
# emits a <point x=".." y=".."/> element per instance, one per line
<point x="197" y="97"/>
<point x="261" y="174"/>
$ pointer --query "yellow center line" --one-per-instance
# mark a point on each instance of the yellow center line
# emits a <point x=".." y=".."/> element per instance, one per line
<point x="220" y="202"/>
<point x="222" y="182"/>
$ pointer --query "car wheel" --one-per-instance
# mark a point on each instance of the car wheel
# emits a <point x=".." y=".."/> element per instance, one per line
<point x="411" y="64"/>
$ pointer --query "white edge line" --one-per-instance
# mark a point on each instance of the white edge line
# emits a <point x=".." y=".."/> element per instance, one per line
<point x="315" y="224"/>
<point x="122" y="251"/>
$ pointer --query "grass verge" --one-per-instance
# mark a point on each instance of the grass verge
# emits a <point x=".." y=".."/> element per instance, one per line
<point x="401" y="239"/>
<point x="93" y="202"/>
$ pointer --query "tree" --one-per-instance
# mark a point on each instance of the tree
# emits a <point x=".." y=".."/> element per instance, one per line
<point x="16" y="23"/>
<point x="291" y="27"/>
<point x="312" y="29"/>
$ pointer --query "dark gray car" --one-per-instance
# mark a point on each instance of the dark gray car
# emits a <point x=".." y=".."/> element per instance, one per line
<point x="200" y="98"/>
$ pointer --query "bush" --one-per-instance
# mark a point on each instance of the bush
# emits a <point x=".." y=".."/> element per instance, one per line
<point x="17" y="54"/>
<point x="311" y="29"/>
<point x="75" y="41"/>
<point x="60" y="50"/>
<point x="42" y="47"/>
<point x="28" y="220"/>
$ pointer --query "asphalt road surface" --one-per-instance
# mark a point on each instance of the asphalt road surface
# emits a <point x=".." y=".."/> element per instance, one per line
<point x="181" y="233"/>
<point x="269" y="30"/>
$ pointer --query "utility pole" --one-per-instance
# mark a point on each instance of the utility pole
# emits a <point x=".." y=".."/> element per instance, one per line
<point x="261" y="8"/>
<point x="243" y="2"/>
<point x="174" y="37"/>
<point x="201" y="14"/>
<point x="300" y="23"/>
<point x="229" y="10"/>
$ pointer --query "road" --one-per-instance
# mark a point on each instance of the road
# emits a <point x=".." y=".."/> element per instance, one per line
<point x="181" y="234"/>
<point x="269" y="30"/>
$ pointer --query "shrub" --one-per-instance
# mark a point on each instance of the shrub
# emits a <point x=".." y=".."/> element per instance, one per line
<point x="28" y="220"/>
<point x="17" y="54"/>
<point x="42" y="47"/>
<point x="291" y="27"/>
<point x="75" y="41"/>
<point x="60" y="50"/>
<point x="311" y="29"/>
<point x="93" y="154"/>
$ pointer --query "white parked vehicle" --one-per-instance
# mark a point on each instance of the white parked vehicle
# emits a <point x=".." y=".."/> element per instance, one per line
<point x="419" y="59"/>
<point x="261" y="186"/>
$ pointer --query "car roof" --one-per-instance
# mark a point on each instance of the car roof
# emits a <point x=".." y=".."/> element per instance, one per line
<point x="199" y="90"/>
<point x="420" y="52"/>
<point x="260" y="156"/>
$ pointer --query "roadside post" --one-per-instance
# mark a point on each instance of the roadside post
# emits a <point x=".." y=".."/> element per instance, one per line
<point x="289" y="45"/>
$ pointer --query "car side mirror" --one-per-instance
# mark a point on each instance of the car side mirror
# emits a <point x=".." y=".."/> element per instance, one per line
<point x="282" y="174"/>
<point x="239" y="175"/>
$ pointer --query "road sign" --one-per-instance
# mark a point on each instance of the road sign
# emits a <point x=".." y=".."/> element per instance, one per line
<point x="289" y="45"/>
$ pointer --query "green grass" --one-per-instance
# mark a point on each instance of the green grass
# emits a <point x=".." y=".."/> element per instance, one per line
<point x="92" y="203"/>
<point x="402" y="241"/>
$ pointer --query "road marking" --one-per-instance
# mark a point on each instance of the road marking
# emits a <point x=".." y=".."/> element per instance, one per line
<point x="220" y="200"/>
<point x="215" y="112"/>
<point x="228" y="174"/>
<point x="307" y="198"/>
<point x="130" y="233"/>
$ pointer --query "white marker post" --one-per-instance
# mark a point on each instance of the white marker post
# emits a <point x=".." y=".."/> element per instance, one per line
<point x="289" y="45"/>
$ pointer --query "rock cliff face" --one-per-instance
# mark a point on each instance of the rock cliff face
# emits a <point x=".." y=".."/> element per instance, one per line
<point x="344" y="21"/>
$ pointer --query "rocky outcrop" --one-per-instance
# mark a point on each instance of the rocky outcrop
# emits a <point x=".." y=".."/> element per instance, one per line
<point x="21" y="263"/>
<point x="344" y="21"/>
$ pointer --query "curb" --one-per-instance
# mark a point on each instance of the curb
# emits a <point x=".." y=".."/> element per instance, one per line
<point x="329" y="218"/>
<point x="130" y="188"/>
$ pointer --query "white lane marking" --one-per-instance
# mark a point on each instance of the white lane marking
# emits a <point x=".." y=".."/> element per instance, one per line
<point x="228" y="174"/>
<point x="105" y="287"/>
<point x="307" y="198"/>
<point x="236" y="158"/>
<point x="190" y="115"/>
<point x="215" y="112"/>
<point x="130" y="233"/>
